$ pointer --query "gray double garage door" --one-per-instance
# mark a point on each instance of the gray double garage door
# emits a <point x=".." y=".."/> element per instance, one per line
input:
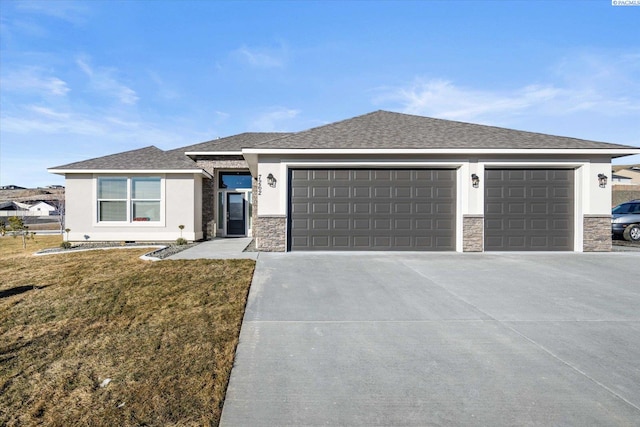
<point x="415" y="210"/>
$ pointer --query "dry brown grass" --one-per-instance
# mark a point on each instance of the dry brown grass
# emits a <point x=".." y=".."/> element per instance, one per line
<point x="164" y="333"/>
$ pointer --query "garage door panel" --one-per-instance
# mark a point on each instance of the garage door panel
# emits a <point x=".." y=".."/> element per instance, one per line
<point x="539" y="192"/>
<point x="341" y="224"/>
<point x="320" y="208"/>
<point x="444" y="209"/>
<point x="402" y="208"/>
<point x="340" y="191"/>
<point x="300" y="224"/>
<point x="541" y="208"/>
<point x="404" y="192"/>
<point x="494" y="191"/>
<point x="377" y="209"/>
<point x="424" y="224"/>
<point x="321" y="192"/>
<point x="516" y="208"/>
<point x="361" y="175"/>
<point x="536" y="215"/>
<point x="424" y="192"/>
<point x="363" y="192"/>
<point x="382" y="175"/>
<point x="513" y="192"/>
<point x="494" y="208"/>
<point x="515" y="175"/>
<point x="341" y="208"/>
<point x="361" y="208"/>
<point x="562" y="208"/>
<point x="300" y="192"/>
<point x="382" y="192"/>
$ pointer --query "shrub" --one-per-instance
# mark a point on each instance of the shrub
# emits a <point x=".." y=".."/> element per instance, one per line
<point x="65" y="245"/>
<point x="181" y="241"/>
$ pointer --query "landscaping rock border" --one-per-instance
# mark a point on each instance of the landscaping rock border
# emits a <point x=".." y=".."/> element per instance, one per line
<point x="163" y="250"/>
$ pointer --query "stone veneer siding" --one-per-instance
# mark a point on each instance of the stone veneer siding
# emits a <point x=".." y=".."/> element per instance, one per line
<point x="271" y="233"/>
<point x="210" y="187"/>
<point x="596" y="233"/>
<point x="473" y="233"/>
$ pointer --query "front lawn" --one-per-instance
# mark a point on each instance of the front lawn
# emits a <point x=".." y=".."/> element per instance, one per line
<point x="102" y="338"/>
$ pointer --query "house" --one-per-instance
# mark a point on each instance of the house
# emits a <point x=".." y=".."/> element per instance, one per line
<point x="626" y="183"/>
<point x="42" y="208"/>
<point x="25" y="209"/>
<point x="8" y="209"/>
<point x="620" y="179"/>
<point x="11" y="187"/>
<point x="628" y="174"/>
<point x="380" y="181"/>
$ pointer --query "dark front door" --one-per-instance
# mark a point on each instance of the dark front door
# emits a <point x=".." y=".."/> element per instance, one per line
<point x="236" y="220"/>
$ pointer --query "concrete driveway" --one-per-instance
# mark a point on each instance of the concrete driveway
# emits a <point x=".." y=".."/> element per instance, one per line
<point x="439" y="339"/>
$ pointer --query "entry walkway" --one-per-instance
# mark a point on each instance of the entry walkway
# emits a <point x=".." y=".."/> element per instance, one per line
<point x="219" y="248"/>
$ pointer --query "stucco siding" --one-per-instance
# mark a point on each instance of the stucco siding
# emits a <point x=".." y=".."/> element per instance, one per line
<point x="589" y="197"/>
<point x="180" y="206"/>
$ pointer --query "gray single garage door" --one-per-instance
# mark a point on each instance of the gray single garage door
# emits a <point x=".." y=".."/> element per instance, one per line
<point x="529" y="210"/>
<point x="372" y="209"/>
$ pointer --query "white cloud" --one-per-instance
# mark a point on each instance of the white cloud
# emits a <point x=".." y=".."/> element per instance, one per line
<point x="263" y="57"/>
<point x="579" y="85"/>
<point x="34" y="80"/>
<point x="164" y="90"/>
<point x="103" y="81"/>
<point x="48" y="112"/>
<point x="273" y="120"/>
<point x="70" y="11"/>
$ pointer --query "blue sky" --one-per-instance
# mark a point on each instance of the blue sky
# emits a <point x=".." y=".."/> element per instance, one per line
<point x="85" y="79"/>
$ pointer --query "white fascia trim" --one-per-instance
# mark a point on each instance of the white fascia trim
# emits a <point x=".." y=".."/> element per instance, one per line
<point x="479" y="151"/>
<point x="213" y="153"/>
<point x="130" y="171"/>
<point x="450" y="164"/>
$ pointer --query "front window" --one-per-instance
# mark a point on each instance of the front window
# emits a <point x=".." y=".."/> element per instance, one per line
<point x="123" y="199"/>
<point x="145" y="199"/>
<point x="234" y="180"/>
<point x="112" y="199"/>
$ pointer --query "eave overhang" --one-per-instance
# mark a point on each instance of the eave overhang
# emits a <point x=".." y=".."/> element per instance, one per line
<point x="213" y="153"/>
<point x="251" y="154"/>
<point x="131" y="171"/>
<point x="614" y="152"/>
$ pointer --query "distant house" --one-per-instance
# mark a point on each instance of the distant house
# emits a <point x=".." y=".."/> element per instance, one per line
<point x="619" y="179"/>
<point x="382" y="181"/>
<point x="8" y="209"/>
<point x="629" y="174"/>
<point x="11" y="187"/>
<point x="42" y="208"/>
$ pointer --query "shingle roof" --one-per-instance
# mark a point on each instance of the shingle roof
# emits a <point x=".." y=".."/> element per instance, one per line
<point x="387" y="130"/>
<point x="148" y="158"/>
<point x="377" y="130"/>
<point x="233" y="143"/>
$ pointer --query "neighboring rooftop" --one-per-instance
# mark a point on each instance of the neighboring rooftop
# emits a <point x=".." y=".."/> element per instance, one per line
<point x="387" y="130"/>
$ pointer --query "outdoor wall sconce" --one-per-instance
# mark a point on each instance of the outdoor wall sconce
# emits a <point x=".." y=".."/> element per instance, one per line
<point x="602" y="180"/>
<point x="271" y="180"/>
<point x="475" y="180"/>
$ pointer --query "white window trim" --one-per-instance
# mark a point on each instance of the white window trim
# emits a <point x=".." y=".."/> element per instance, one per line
<point x="129" y="222"/>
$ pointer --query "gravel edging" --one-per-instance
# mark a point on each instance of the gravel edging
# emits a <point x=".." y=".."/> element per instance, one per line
<point x="162" y="251"/>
